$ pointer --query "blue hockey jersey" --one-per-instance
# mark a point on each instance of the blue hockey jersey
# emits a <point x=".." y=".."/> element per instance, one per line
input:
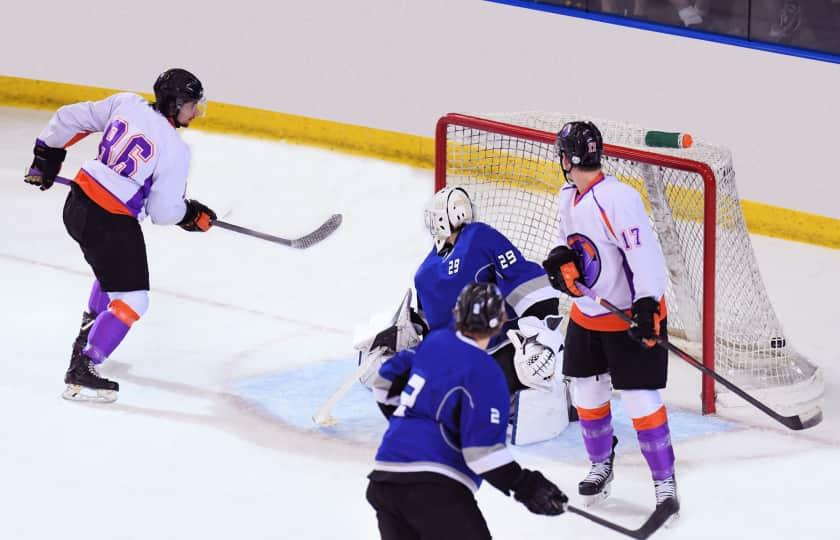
<point x="481" y="254"/>
<point x="452" y="416"/>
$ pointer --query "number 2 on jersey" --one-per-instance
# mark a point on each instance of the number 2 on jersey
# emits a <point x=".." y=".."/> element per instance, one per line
<point x="409" y="395"/>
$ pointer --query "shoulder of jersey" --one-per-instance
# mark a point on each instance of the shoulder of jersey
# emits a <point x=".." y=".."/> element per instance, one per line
<point x="613" y="187"/>
<point x="131" y="98"/>
<point x="481" y="229"/>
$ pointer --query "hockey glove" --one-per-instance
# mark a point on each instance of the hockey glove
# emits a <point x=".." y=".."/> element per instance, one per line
<point x="538" y="345"/>
<point x="646" y="316"/>
<point x="45" y="166"/>
<point x="198" y="217"/>
<point x="564" y="266"/>
<point x="538" y="494"/>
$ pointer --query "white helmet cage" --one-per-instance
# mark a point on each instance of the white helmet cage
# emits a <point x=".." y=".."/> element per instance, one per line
<point x="448" y="211"/>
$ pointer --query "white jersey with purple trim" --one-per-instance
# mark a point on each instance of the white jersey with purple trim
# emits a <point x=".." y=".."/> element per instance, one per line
<point x="142" y="164"/>
<point x="622" y="259"/>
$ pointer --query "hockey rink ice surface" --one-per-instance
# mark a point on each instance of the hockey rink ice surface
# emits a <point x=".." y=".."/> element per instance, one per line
<point x="211" y="437"/>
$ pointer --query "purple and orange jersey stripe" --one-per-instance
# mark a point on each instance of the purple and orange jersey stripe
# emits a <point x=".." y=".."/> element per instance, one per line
<point x="100" y="195"/>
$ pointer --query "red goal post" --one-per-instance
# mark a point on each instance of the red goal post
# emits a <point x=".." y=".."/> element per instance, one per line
<point x="508" y="165"/>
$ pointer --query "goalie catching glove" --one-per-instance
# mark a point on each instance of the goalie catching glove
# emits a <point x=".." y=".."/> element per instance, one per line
<point x="539" y="347"/>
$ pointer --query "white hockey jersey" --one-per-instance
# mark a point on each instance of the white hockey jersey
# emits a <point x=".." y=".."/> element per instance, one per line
<point x="142" y="163"/>
<point x="622" y="259"/>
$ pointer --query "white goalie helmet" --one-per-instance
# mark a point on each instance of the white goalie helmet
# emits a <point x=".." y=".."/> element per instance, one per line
<point x="449" y="210"/>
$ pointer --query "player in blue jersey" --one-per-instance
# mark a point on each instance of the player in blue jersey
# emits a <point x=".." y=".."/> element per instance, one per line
<point x="468" y="251"/>
<point x="447" y="432"/>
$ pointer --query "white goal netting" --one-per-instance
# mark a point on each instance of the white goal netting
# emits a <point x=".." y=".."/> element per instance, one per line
<point x="513" y="176"/>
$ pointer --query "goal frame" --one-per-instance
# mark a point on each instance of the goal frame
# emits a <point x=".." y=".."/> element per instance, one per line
<point x="621" y="152"/>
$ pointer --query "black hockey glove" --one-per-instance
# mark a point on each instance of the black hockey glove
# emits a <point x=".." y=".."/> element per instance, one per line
<point x="45" y="166"/>
<point x="420" y="324"/>
<point x="646" y="316"/>
<point x="198" y="217"/>
<point x="539" y="494"/>
<point x="564" y="266"/>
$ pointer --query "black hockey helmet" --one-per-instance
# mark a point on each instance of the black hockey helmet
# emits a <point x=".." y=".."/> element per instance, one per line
<point x="480" y="309"/>
<point x="582" y="143"/>
<point x="173" y="88"/>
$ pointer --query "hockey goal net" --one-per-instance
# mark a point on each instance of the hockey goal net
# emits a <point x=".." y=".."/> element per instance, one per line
<point x="717" y="302"/>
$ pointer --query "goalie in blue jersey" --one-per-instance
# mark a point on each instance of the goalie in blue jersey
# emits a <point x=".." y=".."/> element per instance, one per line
<point x="467" y="251"/>
<point x="447" y="431"/>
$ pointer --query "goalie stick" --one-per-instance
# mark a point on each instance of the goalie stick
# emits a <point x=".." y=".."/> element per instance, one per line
<point x="322" y="415"/>
<point x="794" y="422"/>
<point x="305" y="241"/>
<point x="652" y="524"/>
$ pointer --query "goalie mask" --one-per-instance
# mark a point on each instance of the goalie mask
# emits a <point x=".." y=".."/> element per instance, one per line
<point x="448" y="211"/>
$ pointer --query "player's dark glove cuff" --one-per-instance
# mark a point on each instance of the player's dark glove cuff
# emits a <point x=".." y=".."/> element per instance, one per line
<point x="564" y="267"/>
<point x="198" y="217"/>
<point x="45" y="165"/>
<point x="646" y="316"/>
<point x="539" y="494"/>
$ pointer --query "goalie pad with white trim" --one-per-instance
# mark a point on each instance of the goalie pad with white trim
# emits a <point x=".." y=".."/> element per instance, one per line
<point x="540" y="415"/>
<point x="401" y="334"/>
<point x="539" y="349"/>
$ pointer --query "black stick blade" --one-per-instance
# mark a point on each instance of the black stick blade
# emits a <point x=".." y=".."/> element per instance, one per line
<point x="812" y="418"/>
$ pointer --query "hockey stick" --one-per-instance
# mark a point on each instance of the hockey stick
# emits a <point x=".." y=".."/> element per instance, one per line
<point x="794" y="422"/>
<point x="322" y="416"/>
<point x="308" y="240"/>
<point x="303" y="242"/>
<point x="656" y="520"/>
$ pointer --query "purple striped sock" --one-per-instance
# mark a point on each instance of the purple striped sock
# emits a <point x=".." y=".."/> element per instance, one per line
<point x="597" y="437"/>
<point x="98" y="300"/>
<point x="107" y="333"/>
<point x="656" y="447"/>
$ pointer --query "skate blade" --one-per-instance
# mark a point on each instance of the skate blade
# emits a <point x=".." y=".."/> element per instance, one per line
<point x="598" y="498"/>
<point x="74" y="392"/>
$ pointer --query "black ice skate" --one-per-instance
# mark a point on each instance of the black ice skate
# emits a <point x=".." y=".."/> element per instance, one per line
<point x="596" y="486"/>
<point x="81" y="340"/>
<point x="667" y="502"/>
<point x="85" y="384"/>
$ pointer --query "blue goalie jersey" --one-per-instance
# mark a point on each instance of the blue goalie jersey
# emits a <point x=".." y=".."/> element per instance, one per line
<point x="451" y="417"/>
<point x="481" y="254"/>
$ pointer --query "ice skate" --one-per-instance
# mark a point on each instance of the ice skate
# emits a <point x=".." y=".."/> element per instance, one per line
<point x="667" y="501"/>
<point x="84" y="329"/>
<point x="85" y="384"/>
<point x="596" y="486"/>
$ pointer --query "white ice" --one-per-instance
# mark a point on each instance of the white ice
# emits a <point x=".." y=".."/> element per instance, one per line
<point x="211" y="437"/>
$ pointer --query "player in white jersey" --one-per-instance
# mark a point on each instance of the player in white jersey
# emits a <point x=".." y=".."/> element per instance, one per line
<point x="612" y="249"/>
<point x="140" y="170"/>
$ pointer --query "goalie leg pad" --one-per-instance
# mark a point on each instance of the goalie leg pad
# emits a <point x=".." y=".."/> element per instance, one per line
<point x="539" y="415"/>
